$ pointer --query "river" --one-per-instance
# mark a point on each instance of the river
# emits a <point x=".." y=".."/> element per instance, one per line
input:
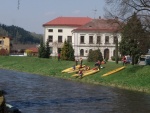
<point x="33" y="93"/>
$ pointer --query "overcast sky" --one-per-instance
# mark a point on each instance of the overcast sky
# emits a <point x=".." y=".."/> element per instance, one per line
<point x="32" y="14"/>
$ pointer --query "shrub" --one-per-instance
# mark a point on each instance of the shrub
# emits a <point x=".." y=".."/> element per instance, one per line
<point x="94" y="55"/>
<point x="3" y="52"/>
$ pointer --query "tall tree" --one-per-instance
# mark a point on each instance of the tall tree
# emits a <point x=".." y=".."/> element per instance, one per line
<point x="64" y="51"/>
<point x="134" y="39"/>
<point x="47" y="49"/>
<point x="67" y="52"/>
<point x="41" y="51"/>
<point x="71" y="52"/>
<point x="124" y="9"/>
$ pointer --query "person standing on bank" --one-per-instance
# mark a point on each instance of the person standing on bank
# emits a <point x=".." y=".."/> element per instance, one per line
<point x="58" y="56"/>
<point x="124" y="60"/>
<point x="98" y="64"/>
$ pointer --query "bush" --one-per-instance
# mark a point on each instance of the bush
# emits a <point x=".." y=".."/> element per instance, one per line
<point x="3" y="52"/>
<point x="94" y="55"/>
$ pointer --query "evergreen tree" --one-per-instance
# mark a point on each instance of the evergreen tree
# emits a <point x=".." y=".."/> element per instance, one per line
<point x="47" y="50"/>
<point x="67" y="52"/>
<point x="42" y="52"/>
<point x="133" y="39"/>
<point x="19" y="35"/>
<point x="64" y="51"/>
<point x="71" y="52"/>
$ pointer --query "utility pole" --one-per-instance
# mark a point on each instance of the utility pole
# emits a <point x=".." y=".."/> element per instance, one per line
<point x="18" y="4"/>
<point x="116" y="52"/>
<point x="95" y="10"/>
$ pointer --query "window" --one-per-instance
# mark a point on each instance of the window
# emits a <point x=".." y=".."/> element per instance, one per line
<point x="82" y="52"/>
<point x="50" y="30"/>
<point x="59" y="39"/>
<point x="69" y="39"/>
<point x="60" y="30"/>
<point x="86" y="51"/>
<point x="98" y="39"/>
<point x="115" y="39"/>
<point x="90" y="39"/>
<point x="82" y="39"/>
<point x="50" y="38"/>
<point x="106" y="39"/>
<point x="1" y="42"/>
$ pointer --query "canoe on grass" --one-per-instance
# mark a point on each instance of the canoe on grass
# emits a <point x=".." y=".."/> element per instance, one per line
<point x="113" y="71"/>
<point x="86" y="73"/>
<point x="76" y="70"/>
<point x="71" y="68"/>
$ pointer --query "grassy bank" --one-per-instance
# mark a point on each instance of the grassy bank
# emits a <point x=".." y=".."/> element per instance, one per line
<point x="132" y="77"/>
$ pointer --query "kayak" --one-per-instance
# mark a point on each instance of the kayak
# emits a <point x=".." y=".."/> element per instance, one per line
<point x="71" y="69"/>
<point x="76" y="70"/>
<point x="113" y="71"/>
<point x="86" y="73"/>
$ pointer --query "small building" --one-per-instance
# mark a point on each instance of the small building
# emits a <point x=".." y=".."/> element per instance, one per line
<point x="33" y="51"/>
<point x="5" y="44"/>
<point x="19" y="49"/>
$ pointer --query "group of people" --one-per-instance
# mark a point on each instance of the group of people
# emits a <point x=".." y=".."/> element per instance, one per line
<point x="97" y="66"/>
<point x="80" y="72"/>
<point x="79" y="60"/>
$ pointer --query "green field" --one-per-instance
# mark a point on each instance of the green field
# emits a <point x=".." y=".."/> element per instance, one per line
<point x="132" y="77"/>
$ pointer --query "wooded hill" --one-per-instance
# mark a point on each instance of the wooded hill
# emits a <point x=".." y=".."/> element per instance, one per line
<point x="19" y="35"/>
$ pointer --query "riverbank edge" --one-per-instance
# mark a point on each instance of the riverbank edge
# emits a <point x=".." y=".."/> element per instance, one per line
<point x="58" y="74"/>
<point x="84" y="81"/>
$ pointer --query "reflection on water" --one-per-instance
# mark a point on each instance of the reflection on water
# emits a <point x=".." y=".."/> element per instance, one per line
<point x="40" y="94"/>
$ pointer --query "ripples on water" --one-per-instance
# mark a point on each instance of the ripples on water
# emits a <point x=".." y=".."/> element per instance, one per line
<point x="40" y="94"/>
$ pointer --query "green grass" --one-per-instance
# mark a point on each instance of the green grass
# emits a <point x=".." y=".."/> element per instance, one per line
<point x="132" y="77"/>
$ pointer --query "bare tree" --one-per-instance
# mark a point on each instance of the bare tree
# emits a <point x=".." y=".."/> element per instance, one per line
<point x="124" y="9"/>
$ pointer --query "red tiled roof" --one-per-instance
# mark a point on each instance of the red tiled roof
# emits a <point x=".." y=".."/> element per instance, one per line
<point x="33" y="49"/>
<point x="68" y="21"/>
<point x="100" y="25"/>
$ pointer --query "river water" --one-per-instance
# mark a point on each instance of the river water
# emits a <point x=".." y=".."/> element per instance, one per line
<point x="41" y="94"/>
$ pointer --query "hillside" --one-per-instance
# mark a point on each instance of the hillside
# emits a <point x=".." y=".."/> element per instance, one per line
<point x="19" y="35"/>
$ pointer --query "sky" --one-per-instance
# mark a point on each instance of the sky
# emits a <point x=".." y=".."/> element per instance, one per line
<point x="32" y="14"/>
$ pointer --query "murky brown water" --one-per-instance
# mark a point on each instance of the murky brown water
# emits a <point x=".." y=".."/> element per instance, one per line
<point x="40" y="94"/>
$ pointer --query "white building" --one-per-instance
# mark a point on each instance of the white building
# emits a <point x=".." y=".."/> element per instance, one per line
<point x="84" y="33"/>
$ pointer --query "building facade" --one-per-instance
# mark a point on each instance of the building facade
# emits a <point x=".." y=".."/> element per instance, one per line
<point x="5" y="43"/>
<point x="91" y="34"/>
<point x="60" y="29"/>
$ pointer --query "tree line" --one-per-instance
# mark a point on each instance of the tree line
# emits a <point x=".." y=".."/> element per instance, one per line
<point x="19" y="35"/>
